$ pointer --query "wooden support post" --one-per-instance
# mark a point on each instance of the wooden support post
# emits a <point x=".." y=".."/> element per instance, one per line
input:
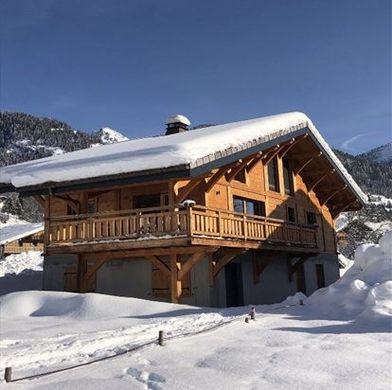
<point x="175" y="284"/>
<point x="82" y="270"/>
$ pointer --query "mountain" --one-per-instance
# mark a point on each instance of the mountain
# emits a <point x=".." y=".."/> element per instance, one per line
<point x="110" y="136"/>
<point x="381" y="154"/>
<point x="25" y="137"/>
<point x="373" y="177"/>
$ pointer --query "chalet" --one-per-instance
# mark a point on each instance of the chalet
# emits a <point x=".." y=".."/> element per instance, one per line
<point x="21" y="237"/>
<point x="218" y="216"/>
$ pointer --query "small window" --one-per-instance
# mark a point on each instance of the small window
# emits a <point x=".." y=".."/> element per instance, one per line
<point x="320" y="275"/>
<point x="291" y="214"/>
<point x="91" y="206"/>
<point x="241" y="176"/>
<point x="273" y="178"/>
<point x="249" y="206"/>
<point x="146" y="201"/>
<point x="70" y="210"/>
<point x="311" y="218"/>
<point x="288" y="177"/>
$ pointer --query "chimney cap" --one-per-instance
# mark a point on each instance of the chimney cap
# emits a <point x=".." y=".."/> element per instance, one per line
<point x="178" y="118"/>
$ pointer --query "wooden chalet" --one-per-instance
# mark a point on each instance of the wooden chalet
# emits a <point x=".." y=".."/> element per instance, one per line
<point x="21" y="237"/>
<point x="219" y="216"/>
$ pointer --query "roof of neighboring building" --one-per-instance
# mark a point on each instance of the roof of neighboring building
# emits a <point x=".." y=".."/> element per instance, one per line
<point x="192" y="152"/>
<point x="17" y="231"/>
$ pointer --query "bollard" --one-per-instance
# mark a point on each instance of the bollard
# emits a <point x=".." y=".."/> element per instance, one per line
<point x="252" y="314"/>
<point x="160" y="338"/>
<point x="8" y="374"/>
<point x="301" y="302"/>
<point x="247" y="320"/>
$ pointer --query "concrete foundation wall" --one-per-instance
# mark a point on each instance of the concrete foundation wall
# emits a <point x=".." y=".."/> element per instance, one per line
<point x="128" y="278"/>
<point x="133" y="278"/>
<point x="54" y="268"/>
<point x="274" y="285"/>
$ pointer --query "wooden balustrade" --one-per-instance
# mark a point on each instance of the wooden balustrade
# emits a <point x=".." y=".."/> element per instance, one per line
<point x="196" y="221"/>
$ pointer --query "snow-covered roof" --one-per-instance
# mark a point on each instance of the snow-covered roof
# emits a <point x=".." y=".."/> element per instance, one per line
<point x="17" y="231"/>
<point x="191" y="149"/>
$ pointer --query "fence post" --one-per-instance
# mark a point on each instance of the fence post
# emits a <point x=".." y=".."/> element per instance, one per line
<point x="160" y="338"/>
<point x="8" y="374"/>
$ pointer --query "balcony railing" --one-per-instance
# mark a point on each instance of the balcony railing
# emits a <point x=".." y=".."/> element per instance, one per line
<point x="196" y="221"/>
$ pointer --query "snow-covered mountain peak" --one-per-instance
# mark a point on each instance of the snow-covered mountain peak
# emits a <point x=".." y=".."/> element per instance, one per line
<point x="381" y="154"/>
<point x="110" y="136"/>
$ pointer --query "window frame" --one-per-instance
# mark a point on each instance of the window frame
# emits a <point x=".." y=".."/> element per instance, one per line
<point x="273" y="171"/>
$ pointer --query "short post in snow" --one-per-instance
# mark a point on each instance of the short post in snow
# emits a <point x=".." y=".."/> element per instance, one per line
<point x="247" y="319"/>
<point x="8" y="374"/>
<point x="252" y="313"/>
<point x="160" y="338"/>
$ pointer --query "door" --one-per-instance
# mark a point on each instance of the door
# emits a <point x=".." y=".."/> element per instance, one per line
<point x="300" y="279"/>
<point x="234" y="291"/>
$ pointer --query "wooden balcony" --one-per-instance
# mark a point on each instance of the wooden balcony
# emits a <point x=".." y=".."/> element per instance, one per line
<point x="195" y="225"/>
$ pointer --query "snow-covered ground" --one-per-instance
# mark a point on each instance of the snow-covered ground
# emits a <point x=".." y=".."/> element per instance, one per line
<point x="341" y="338"/>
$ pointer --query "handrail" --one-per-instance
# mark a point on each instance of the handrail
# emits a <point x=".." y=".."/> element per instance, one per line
<point x="183" y="220"/>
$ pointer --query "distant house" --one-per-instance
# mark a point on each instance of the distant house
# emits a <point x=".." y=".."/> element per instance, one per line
<point x="219" y="216"/>
<point x="21" y="237"/>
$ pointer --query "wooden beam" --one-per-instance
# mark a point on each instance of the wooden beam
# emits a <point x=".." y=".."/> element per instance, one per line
<point x="323" y="202"/>
<point x="292" y="142"/>
<point x="40" y="200"/>
<point x="98" y="264"/>
<point x="252" y="164"/>
<point x="225" y="259"/>
<point x="159" y="264"/>
<point x="73" y="203"/>
<point x="273" y="153"/>
<point x="218" y="175"/>
<point x="344" y="208"/>
<point x="187" y="189"/>
<point x="235" y="170"/>
<point x="188" y="265"/>
<point x="294" y="268"/>
<point x="319" y="180"/>
<point x="259" y="265"/>
<point x="81" y="272"/>
<point x="303" y="164"/>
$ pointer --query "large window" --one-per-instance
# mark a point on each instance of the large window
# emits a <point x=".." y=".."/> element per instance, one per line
<point x="273" y="178"/>
<point x="288" y="177"/>
<point x="248" y="206"/>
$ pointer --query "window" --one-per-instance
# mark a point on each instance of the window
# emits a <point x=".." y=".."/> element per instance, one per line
<point x="145" y="201"/>
<point x="248" y="206"/>
<point x="311" y="218"/>
<point x="92" y="206"/>
<point x="291" y="214"/>
<point x="288" y="177"/>
<point x="241" y="176"/>
<point x="320" y="275"/>
<point x="273" y="178"/>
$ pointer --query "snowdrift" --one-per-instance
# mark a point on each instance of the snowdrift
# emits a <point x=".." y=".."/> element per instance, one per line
<point x="364" y="293"/>
<point x="85" y="306"/>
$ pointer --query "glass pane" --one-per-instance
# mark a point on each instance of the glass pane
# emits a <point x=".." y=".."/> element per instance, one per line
<point x="250" y="207"/>
<point x="238" y="205"/>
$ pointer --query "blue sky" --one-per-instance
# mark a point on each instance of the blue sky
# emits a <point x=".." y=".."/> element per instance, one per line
<point x="131" y="64"/>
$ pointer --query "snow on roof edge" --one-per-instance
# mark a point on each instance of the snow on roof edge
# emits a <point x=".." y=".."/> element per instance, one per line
<point x="257" y="131"/>
<point x="27" y="230"/>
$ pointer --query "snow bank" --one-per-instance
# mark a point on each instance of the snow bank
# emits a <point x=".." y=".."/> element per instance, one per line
<point x="22" y="262"/>
<point x="84" y="306"/>
<point x="364" y="293"/>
